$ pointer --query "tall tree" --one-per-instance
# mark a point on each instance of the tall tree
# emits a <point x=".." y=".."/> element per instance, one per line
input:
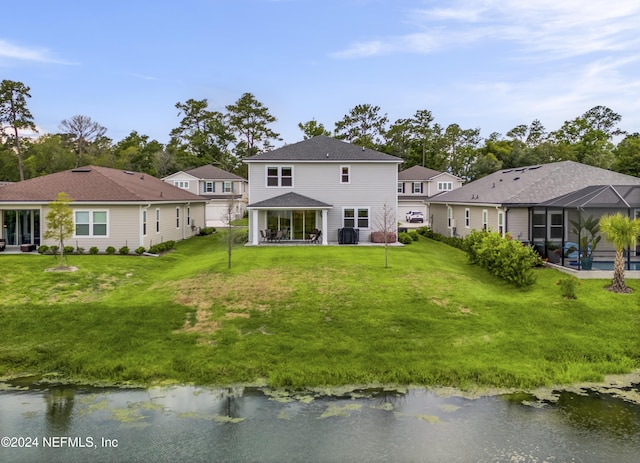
<point x="627" y="155"/>
<point x="15" y="114"/>
<point x="363" y="126"/>
<point x="47" y="155"/>
<point x="60" y="222"/>
<point x="203" y="136"/>
<point x="81" y="131"/>
<point x="250" y="119"/>
<point x="623" y="232"/>
<point x="461" y="149"/>
<point x="312" y="129"/>
<point x="135" y="152"/>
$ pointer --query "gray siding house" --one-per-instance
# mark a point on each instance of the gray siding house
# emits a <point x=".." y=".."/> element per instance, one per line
<point x="320" y="183"/>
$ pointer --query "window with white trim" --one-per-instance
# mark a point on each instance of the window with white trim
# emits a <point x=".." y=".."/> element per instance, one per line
<point x="157" y="220"/>
<point x="445" y="186"/>
<point x="449" y="217"/>
<point x="485" y="219"/>
<point x="345" y="174"/>
<point x="184" y="184"/>
<point x="467" y="218"/>
<point x="416" y="187"/>
<point x="353" y="217"/>
<point x="90" y="223"/>
<point x="279" y="176"/>
<point x="501" y="222"/>
<point x="177" y="217"/>
<point x="227" y="187"/>
<point x="144" y="222"/>
<point x="209" y="187"/>
<point x="188" y="216"/>
<point x="400" y="187"/>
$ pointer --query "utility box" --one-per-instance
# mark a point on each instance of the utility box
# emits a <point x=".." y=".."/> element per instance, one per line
<point x="348" y="235"/>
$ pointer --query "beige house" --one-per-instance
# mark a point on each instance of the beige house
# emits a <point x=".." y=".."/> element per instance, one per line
<point x="218" y="187"/>
<point x="110" y="207"/>
<point x="417" y="184"/>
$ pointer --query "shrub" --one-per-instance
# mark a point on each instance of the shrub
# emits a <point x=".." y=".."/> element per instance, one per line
<point x="124" y="250"/>
<point x="53" y="250"/>
<point x="568" y="287"/>
<point x="503" y="257"/>
<point x="414" y="235"/>
<point x="69" y="249"/>
<point x="44" y="249"/>
<point x="378" y="237"/>
<point x="140" y="250"/>
<point x="241" y="236"/>
<point x="110" y="250"/>
<point x="207" y="231"/>
<point x="79" y="250"/>
<point x="162" y="247"/>
<point x="405" y="238"/>
<point x="93" y="250"/>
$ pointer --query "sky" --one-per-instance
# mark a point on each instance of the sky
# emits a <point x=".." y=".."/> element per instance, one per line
<point x="486" y="64"/>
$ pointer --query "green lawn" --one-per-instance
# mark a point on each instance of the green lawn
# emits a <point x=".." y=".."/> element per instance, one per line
<point x="307" y="316"/>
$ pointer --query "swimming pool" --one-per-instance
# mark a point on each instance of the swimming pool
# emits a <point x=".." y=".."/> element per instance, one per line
<point x="608" y="265"/>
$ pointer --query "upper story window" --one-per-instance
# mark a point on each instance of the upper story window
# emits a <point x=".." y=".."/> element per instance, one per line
<point x="184" y="184"/>
<point x="445" y="186"/>
<point x="416" y="187"/>
<point x="209" y="187"/>
<point x="90" y="223"/>
<point x="400" y="187"/>
<point x="227" y="187"/>
<point x="345" y="174"/>
<point x="279" y="176"/>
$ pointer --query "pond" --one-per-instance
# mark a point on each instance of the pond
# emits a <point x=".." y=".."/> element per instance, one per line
<point x="250" y="424"/>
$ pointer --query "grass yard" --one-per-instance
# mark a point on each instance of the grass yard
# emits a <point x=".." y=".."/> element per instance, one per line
<point x="307" y="316"/>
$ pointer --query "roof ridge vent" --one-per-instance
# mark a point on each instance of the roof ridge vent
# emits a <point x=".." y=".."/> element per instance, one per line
<point x="81" y="169"/>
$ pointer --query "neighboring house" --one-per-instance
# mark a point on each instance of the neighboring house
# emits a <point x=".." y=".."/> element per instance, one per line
<point x="110" y="207"/>
<point x="417" y="184"/>
<point x="218" y="187"/>
<point x="518" y="201"/>
<point x="321" y="183"/>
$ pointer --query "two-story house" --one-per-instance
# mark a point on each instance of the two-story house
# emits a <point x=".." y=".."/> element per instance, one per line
<point x="417" y="184"/>
<point x="218" y="187"/>
<point x="320" y="183"/>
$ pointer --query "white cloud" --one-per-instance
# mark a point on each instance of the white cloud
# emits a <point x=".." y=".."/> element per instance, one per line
<point x="17" y="52"/>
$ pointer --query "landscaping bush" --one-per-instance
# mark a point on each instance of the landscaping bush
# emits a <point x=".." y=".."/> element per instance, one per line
<point x="44" y="249"/>
<point x="414" y="235"/>
<point x="568" y="287"/>
<point x="79" y="250"/>
<point x="124" y="250"/>
<point x="503" y="257"/>
<point x="240" y="236"/>
<point x="405" y="238"/>
<point x="54" y="250"/>
<point x="110" y="250"/>
<point x="93" y="250"/>
<point x="162" y="247"/>
<point x="378" y="237"/>
<point x="140" y="250"/>
<point x="207" y="231"/>
<point x="69" y="249"/>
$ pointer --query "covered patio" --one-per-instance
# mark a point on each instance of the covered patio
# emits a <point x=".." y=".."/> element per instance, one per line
<point x="289" y="218"/>
<point x="553" y="226"/>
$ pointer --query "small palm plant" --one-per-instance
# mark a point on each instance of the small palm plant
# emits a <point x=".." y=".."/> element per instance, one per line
<point x="623" y="233"/>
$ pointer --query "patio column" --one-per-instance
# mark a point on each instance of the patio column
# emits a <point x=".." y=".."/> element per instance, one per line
<point x="255" y="234"/>
<point x="324" y="213"/>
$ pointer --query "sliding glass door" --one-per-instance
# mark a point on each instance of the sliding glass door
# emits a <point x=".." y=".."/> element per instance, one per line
<point x="21" y="226"/>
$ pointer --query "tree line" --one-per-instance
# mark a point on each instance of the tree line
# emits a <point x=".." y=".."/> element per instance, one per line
<point x="224" y="139"/>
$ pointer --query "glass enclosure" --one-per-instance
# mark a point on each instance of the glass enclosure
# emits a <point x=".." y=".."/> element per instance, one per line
<point x="21" y="226"/>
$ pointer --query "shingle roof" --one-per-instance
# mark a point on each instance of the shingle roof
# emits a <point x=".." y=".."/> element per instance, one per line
<point x="323" y="148"/>
<point x="417" y="173"/>
<point x="210" y="172"/>
<point x="533" y="184"/>
<point x="291" y="200"/>
<point x="99" y="184"/>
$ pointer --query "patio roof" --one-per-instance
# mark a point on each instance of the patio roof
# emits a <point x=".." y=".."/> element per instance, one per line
<point x="290" y="201"/>
<point x="599" y="196"/>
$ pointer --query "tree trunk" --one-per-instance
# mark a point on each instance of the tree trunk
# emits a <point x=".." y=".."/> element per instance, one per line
<point x="618" y="285"/>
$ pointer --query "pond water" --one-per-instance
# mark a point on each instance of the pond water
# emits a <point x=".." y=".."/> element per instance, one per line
<point x="194" y="424"/>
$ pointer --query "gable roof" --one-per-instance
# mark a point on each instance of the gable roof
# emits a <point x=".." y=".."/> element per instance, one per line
<point x="290" y="200"/>
<point x="533" y="184"/>
<point x="417" y="173"/>
<point x="599" y="196"/>
<point x="95" y="184"/>
<point x="210" y="172"/>
<point x="325" y="149"/>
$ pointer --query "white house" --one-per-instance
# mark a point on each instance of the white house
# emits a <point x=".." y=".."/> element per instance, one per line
<point x="218" y="187"/>
<point x="321" y="183"/>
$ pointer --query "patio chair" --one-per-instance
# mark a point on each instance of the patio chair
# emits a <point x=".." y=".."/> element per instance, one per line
<point x="315" y="237"/>
<point x="263" y="237"/>
<point x="279" y="235"/>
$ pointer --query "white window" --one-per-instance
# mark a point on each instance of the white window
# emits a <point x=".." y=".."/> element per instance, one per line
<point x="90" y="223"/>
<point x="227" y="187"/>
<point x="209" y="187"/>
<point x="416" y="187"/>
<point x="501" y="222"/>
<point x="157" y="220"/>
<point x="345" y="174"/>
<point x="400" y="187"/>
<point x="485" y="219"/>
<point x="353" y="217"/>
<point x="184" y="184"/>
<point x="144" y="222"/>
<point x="188" y="216"/>
<point x="467" y="218"/>
<point x="177" y="217"/>
<point x="279" y="176"/>
<point x="449" y="217"/>
<point x="445" y="186"/>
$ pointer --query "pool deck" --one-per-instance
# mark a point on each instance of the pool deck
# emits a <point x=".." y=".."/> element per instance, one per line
<point x="595" y="274"/>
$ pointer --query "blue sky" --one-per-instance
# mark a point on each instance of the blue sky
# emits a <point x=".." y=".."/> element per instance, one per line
<point x="488" y="64"/>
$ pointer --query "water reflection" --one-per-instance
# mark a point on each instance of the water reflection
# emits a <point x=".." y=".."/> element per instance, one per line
<point x="257" y="424"/>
